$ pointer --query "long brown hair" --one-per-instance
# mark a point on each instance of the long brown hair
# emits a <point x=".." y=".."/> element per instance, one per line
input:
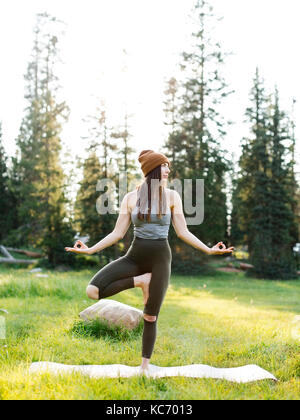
<point x="145" y="194"/>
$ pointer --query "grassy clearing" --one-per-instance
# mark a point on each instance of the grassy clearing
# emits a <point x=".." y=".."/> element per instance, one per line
<point x="223" y="320"/>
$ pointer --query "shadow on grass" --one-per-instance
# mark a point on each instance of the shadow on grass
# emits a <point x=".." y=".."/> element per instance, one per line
<point x="101" y="328"/>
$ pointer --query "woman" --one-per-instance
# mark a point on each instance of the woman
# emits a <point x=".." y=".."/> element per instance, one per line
<point x="147" y="263"/>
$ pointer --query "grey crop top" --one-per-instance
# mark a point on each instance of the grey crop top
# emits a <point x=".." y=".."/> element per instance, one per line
<point x="155" y="229"/>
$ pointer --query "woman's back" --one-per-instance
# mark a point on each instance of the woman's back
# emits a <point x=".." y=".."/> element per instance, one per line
<point x="156" y="228"/>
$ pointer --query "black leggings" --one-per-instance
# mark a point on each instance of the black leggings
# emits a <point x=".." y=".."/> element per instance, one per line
<point x="143" y="256"/>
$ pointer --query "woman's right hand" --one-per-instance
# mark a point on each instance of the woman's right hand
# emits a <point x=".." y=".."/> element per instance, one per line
<point x="79" y="248"/>
<point x="216" y="250"/>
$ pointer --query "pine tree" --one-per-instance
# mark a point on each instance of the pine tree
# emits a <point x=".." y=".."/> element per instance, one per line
<point x="96" y="167"/>
<point x="253" y="164"/>
<point x="283" y="228"/>
<point x="236" y="233"/>
<point x="196" y="139"/>
<point x="262" y="203"/>
<point x="99" y="137"/>
<point x="259" y="227"/>
<point x="293" y="184"/>
<point x="4" y="193"/>
<point x="43" y="206"/>
<point x="125" y="165"/>
<point x="174" y="122"/>
<point x="87" y="219"/>
<point x="124" y="158"/>
<point x="8" y="200"/>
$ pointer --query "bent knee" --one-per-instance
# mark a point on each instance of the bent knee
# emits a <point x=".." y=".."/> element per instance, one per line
<point x="149" y="318"/>
<point x="92" y="292"/>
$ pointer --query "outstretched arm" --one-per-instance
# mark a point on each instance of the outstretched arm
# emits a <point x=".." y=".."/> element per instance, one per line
<point x="181" y="229"/>
<point x="121" y="227"/>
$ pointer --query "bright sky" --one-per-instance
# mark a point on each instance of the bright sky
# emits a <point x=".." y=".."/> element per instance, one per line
<point x="153" y="33"/>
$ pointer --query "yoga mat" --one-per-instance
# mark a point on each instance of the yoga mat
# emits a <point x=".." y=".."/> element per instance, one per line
<point x="240" y="374"/>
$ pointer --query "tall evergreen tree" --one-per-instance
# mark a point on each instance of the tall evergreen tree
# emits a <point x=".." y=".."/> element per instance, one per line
<point x="125" y="164"/>
<point x="253" y="164"/>
<point x="88" y="220"/>
<point x="293" y="184"/>
<point x="99" y="137"/>
<point x="4" y="192"/>
<point x="124" y="158"/>
<point x="173" y="121"/>
<point x="279" y="263"/>
<point x="9" y="201"/>
<point x="236" y="233"/>
<point x="96" y="167"/>
<point x="262" y="204"/>
<point x="196" y="139"/>
<point x="43" y="205"/>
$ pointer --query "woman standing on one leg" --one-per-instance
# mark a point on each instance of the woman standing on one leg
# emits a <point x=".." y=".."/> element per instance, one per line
<point x="147" y="263"/>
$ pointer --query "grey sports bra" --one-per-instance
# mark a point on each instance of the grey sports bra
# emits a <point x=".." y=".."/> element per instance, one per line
<point x="155" y="229"/>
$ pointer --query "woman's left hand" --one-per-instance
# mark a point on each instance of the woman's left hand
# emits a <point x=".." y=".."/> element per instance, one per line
<point x="216" y="250"/>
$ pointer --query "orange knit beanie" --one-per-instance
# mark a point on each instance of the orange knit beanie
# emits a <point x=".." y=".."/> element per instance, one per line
<point x="150" y="160"/>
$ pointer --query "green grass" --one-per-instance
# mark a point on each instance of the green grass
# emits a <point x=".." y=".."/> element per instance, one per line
<point x="223" y="320"/>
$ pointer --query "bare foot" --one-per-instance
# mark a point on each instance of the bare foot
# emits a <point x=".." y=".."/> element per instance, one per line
<point x="144" y="371"/>
<point x="143" y="282"/>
